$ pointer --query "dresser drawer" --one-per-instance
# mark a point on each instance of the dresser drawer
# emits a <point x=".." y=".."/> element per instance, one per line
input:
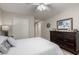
<point x="69" y="33"/>
<point x="68" y="48"/>
<point x="70" y="42"/>
<point x="69" y="37"/>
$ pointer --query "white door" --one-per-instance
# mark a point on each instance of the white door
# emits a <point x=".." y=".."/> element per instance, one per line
<point x="38" y="29"/>
<point x="20" y="28"/>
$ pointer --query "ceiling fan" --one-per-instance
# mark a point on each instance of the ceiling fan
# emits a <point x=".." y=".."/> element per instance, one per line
<point x="41" y="6"/>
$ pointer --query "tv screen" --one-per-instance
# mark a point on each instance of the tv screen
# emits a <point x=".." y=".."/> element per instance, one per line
<point x="64" y="24"/>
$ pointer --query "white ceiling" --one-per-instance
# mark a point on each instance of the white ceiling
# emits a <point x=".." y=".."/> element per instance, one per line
<point x="16" y="7"/>
<point x="28" y="8"/>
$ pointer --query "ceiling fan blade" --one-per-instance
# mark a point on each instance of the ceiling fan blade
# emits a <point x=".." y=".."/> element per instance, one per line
<point x="32" y="3"/>
<point x="49" y="5"/>
<point x="35" y="3"/>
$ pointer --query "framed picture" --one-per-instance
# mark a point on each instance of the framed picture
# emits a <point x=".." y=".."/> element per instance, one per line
<point x="65" y="24"/>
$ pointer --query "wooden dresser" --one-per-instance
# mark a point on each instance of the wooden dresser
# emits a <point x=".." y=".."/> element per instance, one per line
<point x="66" y="40"/>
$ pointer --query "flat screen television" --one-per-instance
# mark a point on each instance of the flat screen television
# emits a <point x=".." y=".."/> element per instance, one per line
<point x="65" y="24"/>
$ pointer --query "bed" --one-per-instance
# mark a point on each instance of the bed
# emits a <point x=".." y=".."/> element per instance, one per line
<point x="35" y="46"/>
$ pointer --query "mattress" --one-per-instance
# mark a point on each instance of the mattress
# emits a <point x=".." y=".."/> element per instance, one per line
<point x="35" y="46"/>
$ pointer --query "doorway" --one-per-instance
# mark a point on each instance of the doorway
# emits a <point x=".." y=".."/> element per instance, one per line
<point x="38" y="28"/>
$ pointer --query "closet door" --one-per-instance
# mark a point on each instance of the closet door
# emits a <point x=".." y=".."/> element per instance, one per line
<point x="20" y="27"/>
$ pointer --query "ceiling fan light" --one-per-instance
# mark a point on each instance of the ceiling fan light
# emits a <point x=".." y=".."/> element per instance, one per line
<point x="42" y="7"/>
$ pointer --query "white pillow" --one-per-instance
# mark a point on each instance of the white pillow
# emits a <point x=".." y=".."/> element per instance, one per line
<point x="3" y="38"/>
<point x="4" y="45"/>
<point x="12" y="41"/>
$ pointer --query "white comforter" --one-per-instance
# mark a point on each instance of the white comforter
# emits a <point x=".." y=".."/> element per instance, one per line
<point x="35" y="46"/>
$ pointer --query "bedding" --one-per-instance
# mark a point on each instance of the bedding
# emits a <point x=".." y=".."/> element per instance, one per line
<point x="35" y="46"/>
<point x="4" y="45"/>
<point x="11" y="41"/>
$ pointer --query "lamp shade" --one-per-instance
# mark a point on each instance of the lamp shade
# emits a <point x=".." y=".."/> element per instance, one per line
<point x="5" y="28"/>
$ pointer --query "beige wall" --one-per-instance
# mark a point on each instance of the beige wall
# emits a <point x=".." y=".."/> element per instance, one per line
<point x="0" y="20"/>
<point x="68" y="13"/>
<point x="0" y="17"/>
